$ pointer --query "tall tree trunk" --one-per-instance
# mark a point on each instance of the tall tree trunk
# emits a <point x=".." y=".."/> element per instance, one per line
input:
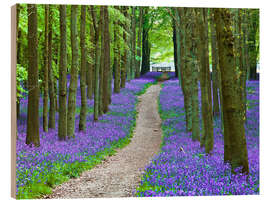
<point x="246" y="46"/>
<point x="110" y="84"/>
<point x="145" y="43"/>
<point x="52" y="85"/>
<point x="182" y="46"/>
<point x="242" y="71"/>
<point x="133" y="66"/>
<point x="107" y="70"/>
<point x="54" y="79"/>
<point x="129" y="44"/>
<point x="236" y="34"/>
<point x="195" y="75"/>
<point x="116" y="56"/>
<point x="82" y="123"/>
<point x="178" y="47"/>
<point x="192" y="70"/>
<point x="234" y="131"/>
<point x="139" y="43"/>
<point x="245" y="62"/>
<point x="206" y="96"/>
<point x="124" y="56"/>
<point x="195" y="103"/>
<point x="55" y="92"/>
<point x="132" y="41"/>
<point x="186" y="78"/>
<point x="45" y="72"/>
<point x="97" y="29"/>
<point x="73" y="73"/>
<point x="32" y="135"/>
<point x="101" y="67"/>
<point x="90" y="66"/>
<point x="62" y="121"/>
<point x="215" y="80"/>
<point x="175" y="43"/>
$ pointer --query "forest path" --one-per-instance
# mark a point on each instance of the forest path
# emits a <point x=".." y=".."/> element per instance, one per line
<point x="120" y="174"/>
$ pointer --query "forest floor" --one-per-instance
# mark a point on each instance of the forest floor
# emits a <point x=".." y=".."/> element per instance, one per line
<point x="119" y="175"/>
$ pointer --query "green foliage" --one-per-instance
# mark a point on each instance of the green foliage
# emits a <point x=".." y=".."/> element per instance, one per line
<point x="117" y="16"/>
<point x="34" y="191"/>
<point x="160" y="35"/>
<point x="89" y="110"/>
<point x="21" y="76"/>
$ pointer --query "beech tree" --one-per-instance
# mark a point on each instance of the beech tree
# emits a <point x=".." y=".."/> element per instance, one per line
<point x="139" y="43"/>
<point x="101" y="62"/>
<point x="129" y="44"/>
<point x="193" y="66"/>
<point x="117" y="54"/>
<point x="82" y="123"/>
<point x="73" y="73"/>
<point x="90" y="72"/>
<point x="62" y="121"/>
<point x="107" y="71"/>
<point x="133" y="43"/>
<point x="51" y="83"/>
<point x="244" y="63"/>
<point x="97" y="29"/>
<point x="32" y="135"/>
<point x="186" y="81"/>
<point x="205" y="81"/>
<point x="175" y="41"/>
<point x="177" y="44"/>
<point x="145" y="42"/>
<point x="215" y="68"/>
<point x="235" y="149"/>
<point x="45" y="72"/>
<point x="124" y="55"/>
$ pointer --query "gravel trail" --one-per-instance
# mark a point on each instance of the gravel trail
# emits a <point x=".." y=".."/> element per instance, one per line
<point x="120" y="174"/>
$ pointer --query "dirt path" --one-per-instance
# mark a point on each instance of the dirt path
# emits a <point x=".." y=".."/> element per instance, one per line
<point x="120" y="174"/>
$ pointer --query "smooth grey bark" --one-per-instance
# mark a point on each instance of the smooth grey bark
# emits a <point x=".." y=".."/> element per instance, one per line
<point x="205" y="81"/>
<point x="82" y="122"/>
<point x="106" y="73"/>
<point x="62" y="121"/>
<point x="97" y="29"/>
<point x="73" y="73"/>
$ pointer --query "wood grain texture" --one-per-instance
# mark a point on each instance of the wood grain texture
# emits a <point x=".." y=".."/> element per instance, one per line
<point x="13" y="101"/>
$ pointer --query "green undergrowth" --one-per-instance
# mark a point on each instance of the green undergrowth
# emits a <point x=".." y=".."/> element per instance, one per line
<point x="89" y="110"/>
<point x="164" y="115"/>
<point x="62" y="172"/>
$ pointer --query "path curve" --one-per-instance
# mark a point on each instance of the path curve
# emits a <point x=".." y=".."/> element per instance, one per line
<point x="120" y="174"/>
